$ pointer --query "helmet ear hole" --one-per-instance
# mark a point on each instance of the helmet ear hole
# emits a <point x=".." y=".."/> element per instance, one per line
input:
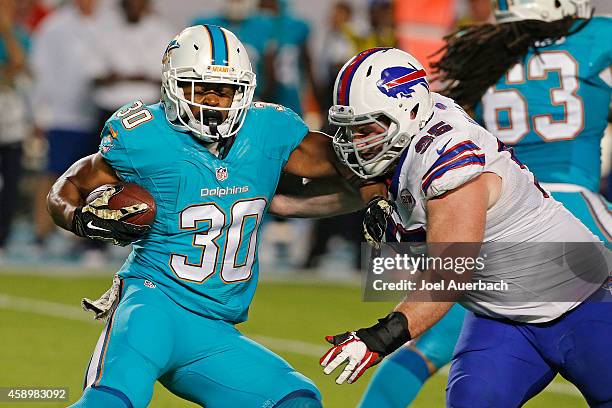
<point x="557" y="4"/>
<point x="414" y="111"/>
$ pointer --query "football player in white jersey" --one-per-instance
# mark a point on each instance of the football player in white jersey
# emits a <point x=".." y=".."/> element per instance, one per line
<point x="453" y="182"/>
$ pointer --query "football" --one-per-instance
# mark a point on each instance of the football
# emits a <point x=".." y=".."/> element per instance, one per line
<point x="131" y="194"/>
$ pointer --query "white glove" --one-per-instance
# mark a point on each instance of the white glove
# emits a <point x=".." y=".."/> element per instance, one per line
<point x="348" y="347"/>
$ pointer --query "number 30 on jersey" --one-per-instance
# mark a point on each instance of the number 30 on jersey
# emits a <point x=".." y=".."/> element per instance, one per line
<point x="210" y="240"/>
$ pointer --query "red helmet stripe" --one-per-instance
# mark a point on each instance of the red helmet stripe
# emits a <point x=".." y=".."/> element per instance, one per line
<point x="346" y="77"/>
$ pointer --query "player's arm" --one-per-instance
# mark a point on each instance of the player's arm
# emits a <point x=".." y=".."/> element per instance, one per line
<point x="314" y="158"/>
<point x="66" y="203"/>
<point x="456" y="216"/>
<point x="316" y="198"/>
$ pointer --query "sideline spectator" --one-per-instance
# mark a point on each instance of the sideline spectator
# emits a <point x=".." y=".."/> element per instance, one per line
<point x="382" y="25"/>
<point x="64" y="64"/>
<point x="135" y="31"/>
<point x="256" y="33"/>
<point x="479" y="11"/>
<point x="341" y="43"/>
<point x="31" y="13"/>
<point x="14" y="121"/>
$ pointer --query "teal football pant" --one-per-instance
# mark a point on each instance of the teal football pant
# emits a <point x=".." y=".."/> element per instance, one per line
<point x="209" y="362"/>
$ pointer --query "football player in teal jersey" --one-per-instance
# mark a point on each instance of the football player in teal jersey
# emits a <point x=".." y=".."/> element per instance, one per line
<point x="292" y="58"/>
<point x="540" y="80"/>
<point x="211" y="159"/>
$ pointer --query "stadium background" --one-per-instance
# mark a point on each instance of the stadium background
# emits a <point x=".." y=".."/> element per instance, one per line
<point x="47" y="339"/>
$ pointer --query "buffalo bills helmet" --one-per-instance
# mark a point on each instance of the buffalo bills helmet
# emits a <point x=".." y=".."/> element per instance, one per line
<point x="381" y="101"/>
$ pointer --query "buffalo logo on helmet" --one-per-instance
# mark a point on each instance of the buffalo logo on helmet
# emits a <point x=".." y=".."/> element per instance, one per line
<point x="399" y="82"/>
<point x="221" y="173"/>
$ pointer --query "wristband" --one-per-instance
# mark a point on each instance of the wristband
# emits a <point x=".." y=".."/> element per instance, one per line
<point x="386" y="336"/>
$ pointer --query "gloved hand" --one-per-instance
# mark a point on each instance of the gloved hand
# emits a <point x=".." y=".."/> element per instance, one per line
<point x="348" y="346"/>
<point x="365" y="347"/>
<point x="377" y="213"/>
<point x="96" y="221"/>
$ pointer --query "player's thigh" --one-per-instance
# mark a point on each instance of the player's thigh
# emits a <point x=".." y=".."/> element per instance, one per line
<point x="591" y="209"/>
<point x="495" y="365"/>
<point x="241" y="373"/>
<point x="438" y="343"/>
<point x="583" y="349"/>
<point x="135" y="346"/>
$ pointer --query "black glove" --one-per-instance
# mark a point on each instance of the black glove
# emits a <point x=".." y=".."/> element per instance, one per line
<point x="378" y="211"/>
<point x="96" y="221"/>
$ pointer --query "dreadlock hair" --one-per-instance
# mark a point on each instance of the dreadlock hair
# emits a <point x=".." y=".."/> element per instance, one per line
<point x="476" y="56"/>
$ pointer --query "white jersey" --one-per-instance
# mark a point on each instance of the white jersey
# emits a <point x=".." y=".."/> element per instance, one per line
<point x="453" y="149"/>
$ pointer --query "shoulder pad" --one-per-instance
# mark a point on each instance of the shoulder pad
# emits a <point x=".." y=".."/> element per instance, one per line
<point x="449" y="161"/>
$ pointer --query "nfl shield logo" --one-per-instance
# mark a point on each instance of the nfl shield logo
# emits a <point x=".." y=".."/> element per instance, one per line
<point x="407" y="200"/>
<point x="221" y="173"/>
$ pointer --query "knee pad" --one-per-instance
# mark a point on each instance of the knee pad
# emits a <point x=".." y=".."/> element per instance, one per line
<point x="102" y="397"/>
<point x="299" y="399"/>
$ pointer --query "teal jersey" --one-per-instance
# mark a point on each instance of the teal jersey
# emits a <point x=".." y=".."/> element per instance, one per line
<point x="553" y="106"/>
<point x="291" y="36"/>
<point x="256" y="32"/>
<point x="202" y="248"/>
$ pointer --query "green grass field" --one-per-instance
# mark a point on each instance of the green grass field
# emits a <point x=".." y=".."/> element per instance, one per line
<point x="47" y="341"/>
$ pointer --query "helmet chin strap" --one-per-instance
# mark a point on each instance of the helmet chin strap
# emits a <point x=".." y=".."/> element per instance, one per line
<point x="212" y="118"/>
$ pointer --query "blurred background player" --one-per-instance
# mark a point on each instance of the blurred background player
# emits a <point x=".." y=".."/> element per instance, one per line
<point x="341" y="41"/>
<point x="529" y="79"/>
<point x="292" y="64"/>
<point x="257" y="32"/>
<point x="62" y="90"/>
<point x="14" y="115"/>
<point x="540" y="81"/>
<point x="382" y="30"/>
<point x="123" y="77"/>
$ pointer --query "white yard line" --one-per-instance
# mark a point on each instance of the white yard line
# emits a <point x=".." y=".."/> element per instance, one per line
<point x="63" y="311"/>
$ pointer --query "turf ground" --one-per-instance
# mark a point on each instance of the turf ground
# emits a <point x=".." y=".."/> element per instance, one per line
<point x="46" y="340"/>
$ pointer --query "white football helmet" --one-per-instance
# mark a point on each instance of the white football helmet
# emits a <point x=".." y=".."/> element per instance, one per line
<point x="382" y="87"/>
<point x="206" y="54"/>
<point x="545" y="10"/>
